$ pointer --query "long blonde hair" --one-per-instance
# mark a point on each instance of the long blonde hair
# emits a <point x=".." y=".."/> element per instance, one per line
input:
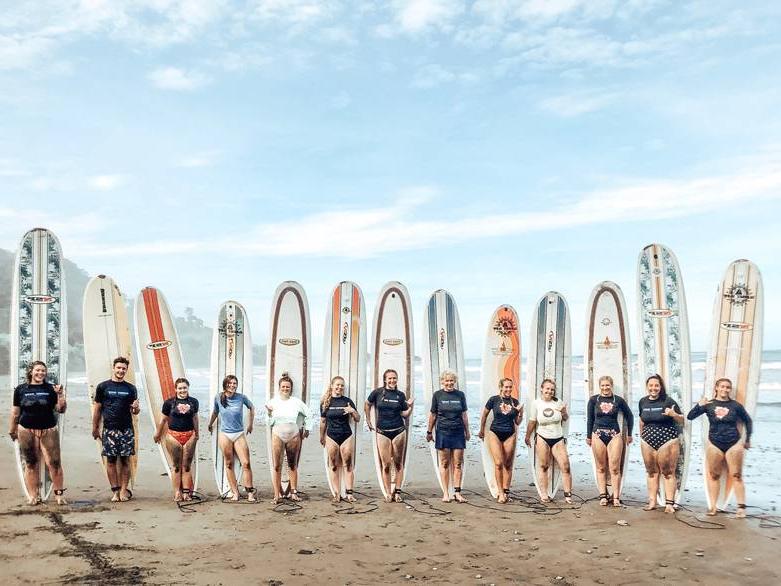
<point x="325" y="402"/>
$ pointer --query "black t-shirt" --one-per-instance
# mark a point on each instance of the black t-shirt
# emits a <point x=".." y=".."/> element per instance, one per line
<point x="389" y="405"/>
<point x="180" y="413"/>
<point x="115" y="399"/>
<point x="723" y="417"/>
<point x="505" y="411"/>
<point x="36" y="403"/>
<point x="337" y="421"/>
<point x="602" y="412"/>
<point x="448" y="407"/>
<point x="652" y="412"/>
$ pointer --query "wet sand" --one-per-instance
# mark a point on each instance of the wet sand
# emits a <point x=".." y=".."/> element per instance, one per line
<point x="150" y="540"/>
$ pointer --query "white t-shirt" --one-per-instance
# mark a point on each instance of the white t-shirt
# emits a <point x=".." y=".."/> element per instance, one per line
<point x="547" y="414"/>
<point x="291" y="410"/>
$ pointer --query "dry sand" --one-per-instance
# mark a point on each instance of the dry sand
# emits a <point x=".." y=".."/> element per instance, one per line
<point x="149" y="540"/>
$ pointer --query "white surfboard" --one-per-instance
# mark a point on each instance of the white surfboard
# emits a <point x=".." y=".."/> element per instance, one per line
<point x="344" y="353"/>
<point x="39" y="323"/>
<point x="608" y="354"/>
<point x="289" y="347"/>
<point x="735" y="348"/>
<point x="501" y="359"/>
<point x="107" y="336"/>
<point x="550" y="356"/>
<point x="392" y="348"/>
<point x="443" y="350"/>
<point x="160" y="355"/>
<point x="664" y="331"/>
<point x="231" y="354"/>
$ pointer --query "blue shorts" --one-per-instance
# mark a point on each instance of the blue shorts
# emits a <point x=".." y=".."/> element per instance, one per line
<point x="119" y="443"/>
<point x="450" y="440"/>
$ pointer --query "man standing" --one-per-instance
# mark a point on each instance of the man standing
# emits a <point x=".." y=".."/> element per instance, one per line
<point x="116" y="403"/>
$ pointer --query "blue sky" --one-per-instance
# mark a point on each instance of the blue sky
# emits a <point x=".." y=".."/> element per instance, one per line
<point x="498" y="148"/>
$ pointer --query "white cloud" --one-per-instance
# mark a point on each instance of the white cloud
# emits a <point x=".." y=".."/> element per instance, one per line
<point x="572" y="105"/>
<point x="296" y="12"/>
<point x="416" y="16"/>
<point x="22" y="52"/>
<point x="105" y="182"/>
<point x="433" y="75"/>
<point x="176" y="79"/>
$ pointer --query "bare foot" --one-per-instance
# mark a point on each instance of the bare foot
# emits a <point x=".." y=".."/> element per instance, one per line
<point x="34" y="500"/>
<point x="740" y="513"/>
<point x="235" y="496"/>
<point x="711" y="512"/>
<point x="178" y="496"/>
<point x="125" y="495"/>
<point x="501" y="499"/>
<point x="397" y="498"/>
<point x="446" y="498"/>
<point x="251" y="497"/>
<point x="388" y="498"/>
<point x="459" y="498"/>
<point x="59" y="497"/>
<point x="616" y="502"/>
<point x="294" y="496"/>
<point x="603" y="500"/>
<point x="650" y="506"/>
<point x="669" y="508"/>
<point x="336" y="499"/>
<point x="349" y="498"/>
<point x="115" y="498"/>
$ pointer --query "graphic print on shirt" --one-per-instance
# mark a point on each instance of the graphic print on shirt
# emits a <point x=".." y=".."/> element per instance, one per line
<point x="721" y="412"/>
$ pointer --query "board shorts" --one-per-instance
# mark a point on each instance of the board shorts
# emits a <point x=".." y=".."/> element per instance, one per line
<point x="450" y="440"/>
<point x="119" y="443"/>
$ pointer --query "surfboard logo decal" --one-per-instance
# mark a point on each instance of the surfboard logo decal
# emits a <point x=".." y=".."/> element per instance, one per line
<point x="736" y="325"/>
<point x="739" y="294"/>
<point x="289" y="341"/>
<point x="159" y="345"/>
<point x="551" y="338"/>
<point x="504" y="326"/>
<point x="661" y="313"/>
<point x="345" y="330"/>
<point x="607" y="344"/>
<point x="606" y="321"/>
<point x="441" y="338"/>
<point x="393" y="341"/>
<point x="345" y="309"/>
<point x="39" y="299"/>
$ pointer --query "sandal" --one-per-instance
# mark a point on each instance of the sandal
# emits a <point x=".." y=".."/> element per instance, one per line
<point x="740" y="513"/>
<point x="58" y="494"/>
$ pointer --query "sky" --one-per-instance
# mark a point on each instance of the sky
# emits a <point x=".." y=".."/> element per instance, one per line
<point x="495" y="148"/>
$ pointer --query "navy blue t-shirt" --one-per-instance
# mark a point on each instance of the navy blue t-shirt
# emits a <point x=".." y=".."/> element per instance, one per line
<point x="115" y="399"/>
<point x="36" y="404"/>
<point x="448" y="407"/>
<point x="389" y="405"/>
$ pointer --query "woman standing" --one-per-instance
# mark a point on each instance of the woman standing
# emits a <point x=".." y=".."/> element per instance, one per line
<point x="393" y="409"/>
<point x="502" y="435"/>
<point x="336" y="436"/>
<point x="660" y="418"/>
<point x="180" y="419"/>
<point x="605" y="437"/>
<point x="34" y="424"/>
<point x="725" y="444"/>
<point x="546" y="416"/>
<point x="290" y="421"/>
<point x="229" y="407"/>
<point x="448" y="415"/>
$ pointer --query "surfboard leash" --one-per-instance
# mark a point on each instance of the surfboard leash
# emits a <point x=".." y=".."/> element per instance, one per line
<point x="191" y="505"/>
<point x="409" y="498"/>
<point x="351" y="508"/>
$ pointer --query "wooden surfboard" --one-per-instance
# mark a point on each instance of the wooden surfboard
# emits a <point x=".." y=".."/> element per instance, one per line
<point x="231" y="354"/>
<point x="107" y="336"/>
<point x="550" y="356"/>
<point x="607" y="353"/>
<point x="289" y="346"/>
<point x="160" y="355"/>
<point x="444" y="350"/>
<point x="735" y="348"/>
<point x="39" y="323"/>
<point x="344" y="353"/>
<point x="664" y="330"/>
<point x="392" y="348"/>
<point x="501" y="359"/>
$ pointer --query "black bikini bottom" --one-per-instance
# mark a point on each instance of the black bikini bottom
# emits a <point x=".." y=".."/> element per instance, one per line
<point x="391" y="433"/>
<point x="339" y="438"/>
<point x="723" y="446"/>
<point x="605" y="434"/>
<point x="503" y="435"/>
<point x="552" y="441"/>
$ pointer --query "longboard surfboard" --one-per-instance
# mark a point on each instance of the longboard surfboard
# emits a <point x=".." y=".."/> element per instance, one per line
<point x="664" y="331"/>
<point x="444" y="350"/>
<point x="735" y="349"/>
<point x="392" y="348"/>
<point x="39" y="324"/>
<point x="344" y="354"/>
<point x="231" y="353"/>
<point x="289" y="347"/>
<point x="107" y="336"/>
<point x="161" y="360"/>
<point x="550" y="356"/>
<point x="608" y="354"/>
<point x="501" y="359"/>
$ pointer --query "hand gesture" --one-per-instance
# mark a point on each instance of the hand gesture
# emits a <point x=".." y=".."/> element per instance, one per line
<point x="528" y="441"/>
<point x="269" y="409"/>
<point x="306" y="433"/>
<point x="481" y="434"/>
<point x="703" y="401"/>
<point x="210" y="427"/>
<point x="95" y="433"/>
<point x="670" y="412"/>
<point x="157" y="438"/>
<point x="135" y="407"/>
<point x="564" y="411"/>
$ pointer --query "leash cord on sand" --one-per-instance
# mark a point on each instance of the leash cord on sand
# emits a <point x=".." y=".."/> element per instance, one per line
<point x="351" y="509"/>
<point x="190" y="506"/>
<point x="409" y="498"/>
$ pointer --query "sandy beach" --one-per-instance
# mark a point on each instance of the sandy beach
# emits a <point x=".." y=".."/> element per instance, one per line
<point x="150" y="540"/>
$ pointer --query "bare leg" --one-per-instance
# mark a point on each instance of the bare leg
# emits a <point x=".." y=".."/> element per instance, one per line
<point x="599" y="449"/>
<point x="562" y="460"/>
<point x="241" y="446"/>
<point x="734" y="458"/>
<point x="399" y="445"/>
<point x="346" y="451"/>
<point x="292" y="449"/>
<point x="615" y="456"/>
<point x="30" y="451"/>
<point x="188" y="453"/>
<point x="226" y="447"/>
<point x="543" y="456"/>
<point x="444" y="458"/>
<point x="385" y="451"/>
<point x="174" y="449"/>
<point x="715" y="460"/>
<point x="458" y="473"/>
<point x="112" y="473"/>
<point x="277" y="458"/>
<point x="667" y="456"/>
<point x="334" y="465"/>
<point x="123" y="471"/>
<point x="652" y="474"/>
<point x="508" y="457"/>
<point x="497" y="455"/>
<point x="50" y="447"/>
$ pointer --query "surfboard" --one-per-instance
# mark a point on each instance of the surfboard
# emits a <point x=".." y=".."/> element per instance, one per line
<point x="501" y="359"/>
<point x="289" y="347"/>
<point x="231" y="354"/>
<point x="608" y="353"/>
<point x="39" y="324"/>
<point x="392" y="348"/>
<point x="735" y="348"/>
<point x="444" y="351"/>
<point x="664" y="348"/>
<point x="344" y="353"/>
<point x="550" y="356"/>
<point x="160" y="355"/>
<point x="106" y="332"/>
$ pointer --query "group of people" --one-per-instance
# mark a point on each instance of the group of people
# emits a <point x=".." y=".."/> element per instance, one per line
<point x="36" y="404"/>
